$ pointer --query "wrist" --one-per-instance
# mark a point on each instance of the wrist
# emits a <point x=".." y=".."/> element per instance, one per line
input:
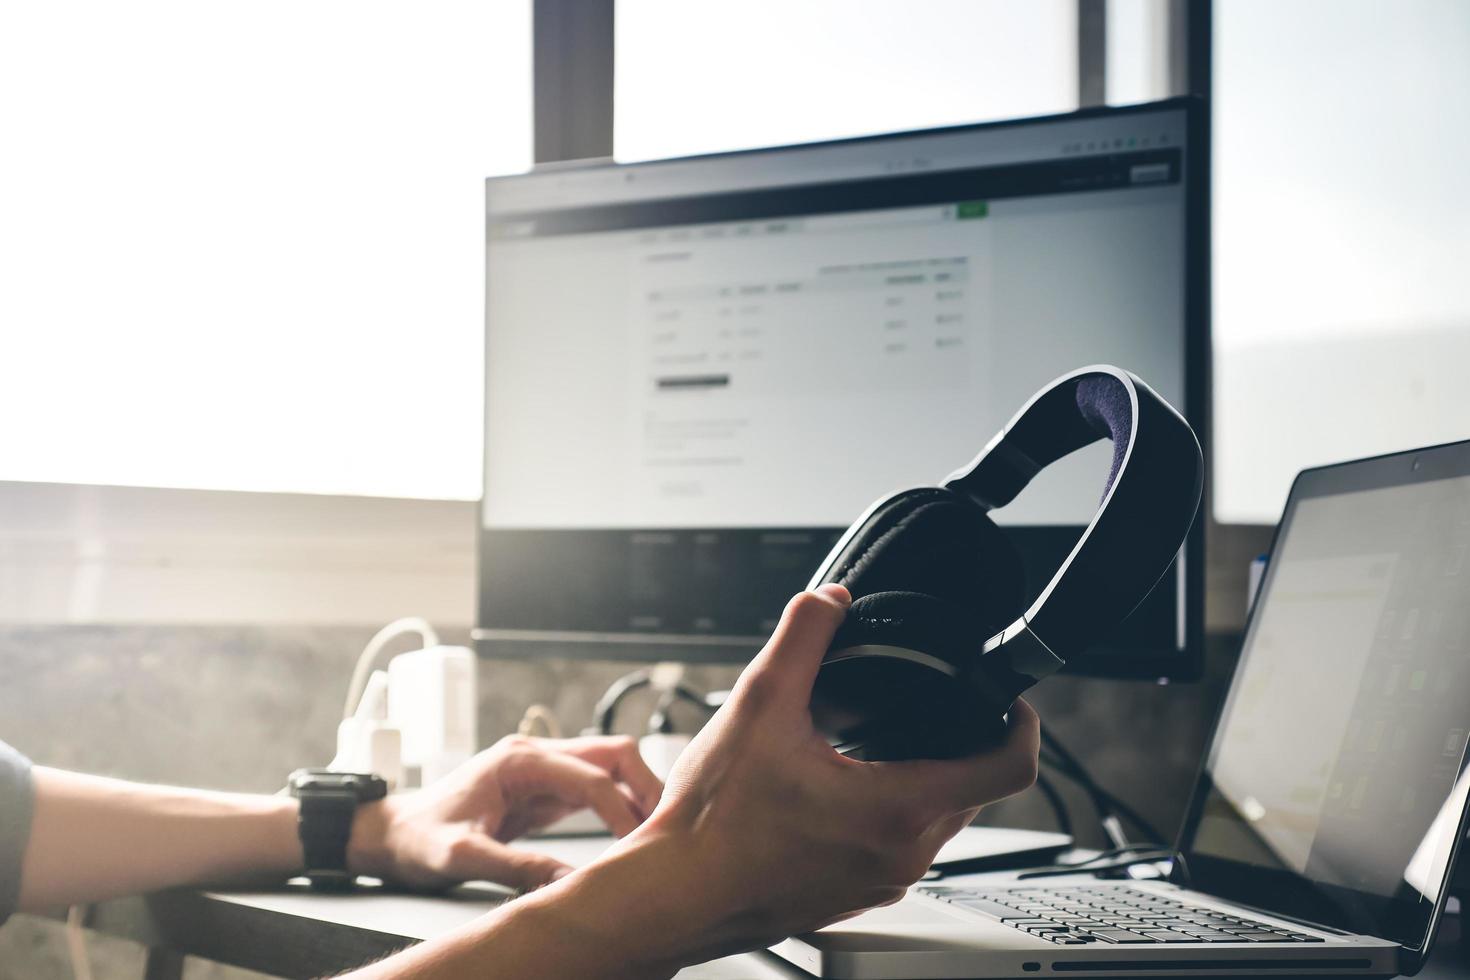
<point x="643" y="907"/>
<point x="368" y="849"/>
<point x="337" y="825"/>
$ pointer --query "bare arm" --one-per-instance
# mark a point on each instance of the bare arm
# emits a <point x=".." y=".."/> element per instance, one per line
<point x="764" y="832"/>
<point x="94" y="838"/>
<point x="634" y="915"/>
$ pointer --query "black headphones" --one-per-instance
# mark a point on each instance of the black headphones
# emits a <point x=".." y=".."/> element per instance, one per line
<point x="937" y="643"/>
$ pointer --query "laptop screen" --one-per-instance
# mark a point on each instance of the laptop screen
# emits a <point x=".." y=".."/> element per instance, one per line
<point x="1334" y="786"/>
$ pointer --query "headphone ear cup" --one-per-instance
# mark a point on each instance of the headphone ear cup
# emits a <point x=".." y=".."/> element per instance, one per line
<point x="910" y="621"/>
<point x="900" y="681"/>
<point x="934" y="542"/>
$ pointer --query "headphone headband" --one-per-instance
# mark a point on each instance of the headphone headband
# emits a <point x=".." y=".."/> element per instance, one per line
<point x="1148" y="503"/>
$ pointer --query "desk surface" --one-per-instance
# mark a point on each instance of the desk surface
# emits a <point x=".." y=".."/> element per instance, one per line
<point x="297" y="933"/>
<point x="300" y="934"/>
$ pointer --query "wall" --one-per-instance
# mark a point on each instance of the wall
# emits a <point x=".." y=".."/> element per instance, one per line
<point x="96" y="554"/>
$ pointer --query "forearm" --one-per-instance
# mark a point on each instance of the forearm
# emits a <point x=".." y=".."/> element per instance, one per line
<point x="624" y="918"/>
<point x="521" y="939"/>
<point x="94" y="838"/>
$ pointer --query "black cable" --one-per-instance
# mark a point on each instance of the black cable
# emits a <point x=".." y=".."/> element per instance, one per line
<point x="1108" y="863"/>
<point x="1179" y="873"/>
<point x="659" y="722"/>
<point x="1137" y="819"/>
<point x="1099" y="866"/>
<point x="607" y="705"/>
<point x="1111" y="808"/>
<point x="1110" y="855"/>
<point x="1106" y="818"/>
<point x="1058" y="805"/>
<point x="1105" y="803"/>
<point x="604" y="713"/>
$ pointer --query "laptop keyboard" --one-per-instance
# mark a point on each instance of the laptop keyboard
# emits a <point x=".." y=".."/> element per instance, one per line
<point x="1088" y="914"/>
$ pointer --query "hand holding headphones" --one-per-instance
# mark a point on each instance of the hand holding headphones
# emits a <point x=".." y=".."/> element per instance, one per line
<point x="938" y="641"/>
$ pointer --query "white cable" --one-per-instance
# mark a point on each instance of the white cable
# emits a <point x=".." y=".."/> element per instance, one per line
<point x="369" y="655"/>
<point x="76" y="943"/>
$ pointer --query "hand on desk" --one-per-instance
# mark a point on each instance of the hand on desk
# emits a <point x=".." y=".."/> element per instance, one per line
<point x="94" y="838"/>
<point x="764" y="831"/>
<point x="460" y="827"/>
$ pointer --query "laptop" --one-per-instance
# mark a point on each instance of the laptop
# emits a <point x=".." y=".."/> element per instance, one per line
<point x="1323" y="825"/>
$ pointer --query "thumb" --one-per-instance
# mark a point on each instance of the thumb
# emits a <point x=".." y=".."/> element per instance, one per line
<point x="483" y="858"/>
<point x="786" y="668"/>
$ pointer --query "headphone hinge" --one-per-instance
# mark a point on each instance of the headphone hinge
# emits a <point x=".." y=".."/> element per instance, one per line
<point x="1019" y="656"/>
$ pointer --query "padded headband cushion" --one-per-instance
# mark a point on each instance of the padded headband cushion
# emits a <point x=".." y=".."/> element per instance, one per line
<point x="1073" y="412"/>
<point x="1106" y="407"/>
<point x="933" y="541"/>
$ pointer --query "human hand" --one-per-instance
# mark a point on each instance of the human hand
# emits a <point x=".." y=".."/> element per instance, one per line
<point x="765" y="831"/>
<point x="787" y="834"/>
<point x="460" y="827"/>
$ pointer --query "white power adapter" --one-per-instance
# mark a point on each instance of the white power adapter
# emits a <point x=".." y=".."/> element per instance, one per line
<point x="432" y="702"/>
<point x="367" y="741"/>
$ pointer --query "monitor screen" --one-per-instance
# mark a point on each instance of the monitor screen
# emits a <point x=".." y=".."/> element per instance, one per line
<point x="1334" y="782"/>
<point x="699" y="371"/>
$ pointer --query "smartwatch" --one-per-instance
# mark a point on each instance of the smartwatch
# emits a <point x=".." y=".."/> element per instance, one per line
<point x="329" y="801"/>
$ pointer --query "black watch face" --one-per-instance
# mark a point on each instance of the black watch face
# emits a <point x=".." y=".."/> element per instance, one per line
<point x="363" y="785"/>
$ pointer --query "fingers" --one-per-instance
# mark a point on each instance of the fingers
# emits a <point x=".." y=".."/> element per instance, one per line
<point x="579" y="783"/>
<point x="1023" y="736"/>
<point x="948" y="827"/>
<point x="786" y="668"/>
<point x="533" y="815"/>
<point x="981" y="779"/>
<point x="475" y="857"/>
<point x="619" y="755"/>
<point x="1003" y="771"/>
<point x="634" y="773"/>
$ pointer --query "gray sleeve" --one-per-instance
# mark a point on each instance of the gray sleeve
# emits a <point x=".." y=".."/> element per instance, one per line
<point x="16" y="803"/>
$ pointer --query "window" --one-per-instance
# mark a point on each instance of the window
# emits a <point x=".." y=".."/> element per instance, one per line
<point x="1341" y="222"/>
<point x="1137" y="37"/>
<point x="243" y="242"/>
<point x="704" y="77"/>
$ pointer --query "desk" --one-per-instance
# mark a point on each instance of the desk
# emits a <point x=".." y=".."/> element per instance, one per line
<point x="301" y="935"/>
<point x="294" y="932"/>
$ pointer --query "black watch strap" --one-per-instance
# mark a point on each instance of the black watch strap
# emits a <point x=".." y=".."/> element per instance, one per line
<point x="328" y="803"/>
<point x="325" y="827"/>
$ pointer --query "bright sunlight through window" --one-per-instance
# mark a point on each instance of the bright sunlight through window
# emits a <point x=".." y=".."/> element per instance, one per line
<point x="243" y="242"/>
<point x="703" y="77"/>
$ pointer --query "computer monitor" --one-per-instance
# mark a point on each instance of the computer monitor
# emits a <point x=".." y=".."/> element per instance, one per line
<point x="699" y="371"/>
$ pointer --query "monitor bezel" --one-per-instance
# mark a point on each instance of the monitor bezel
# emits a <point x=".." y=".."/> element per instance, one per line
<point x="1184" y="663"/>
<point x="1287" y="893"/>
